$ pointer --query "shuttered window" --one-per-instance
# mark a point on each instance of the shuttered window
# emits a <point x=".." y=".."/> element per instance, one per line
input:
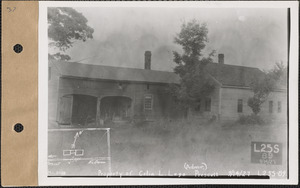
<point x="240" y="106"/>
<point x="148" y="102"/>
<point x="207" y="105"/>
<point x="198" y="105"/>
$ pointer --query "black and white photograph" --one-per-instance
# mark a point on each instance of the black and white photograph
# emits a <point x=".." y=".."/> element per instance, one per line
<point x="169" y="92"/>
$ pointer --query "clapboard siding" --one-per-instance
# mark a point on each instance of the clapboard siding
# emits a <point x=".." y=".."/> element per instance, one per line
<point x="229" y="103"/>
<point x="276" y="115"/>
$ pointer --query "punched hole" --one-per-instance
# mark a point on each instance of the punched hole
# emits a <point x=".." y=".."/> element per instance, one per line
<point x="18" y="48"/>
<point x="18" y="127"/>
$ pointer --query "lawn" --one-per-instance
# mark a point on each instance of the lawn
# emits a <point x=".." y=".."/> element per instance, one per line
<point x="191" y="148"/>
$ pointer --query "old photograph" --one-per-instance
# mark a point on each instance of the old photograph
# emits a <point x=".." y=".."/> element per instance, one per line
<point x="181" y="92"/>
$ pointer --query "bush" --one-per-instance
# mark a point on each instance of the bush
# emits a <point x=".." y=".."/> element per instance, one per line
<point x="251" y="120"/>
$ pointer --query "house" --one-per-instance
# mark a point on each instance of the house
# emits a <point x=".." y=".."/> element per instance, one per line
<point x="82" y="94"/>
<point x="232" y="91"/>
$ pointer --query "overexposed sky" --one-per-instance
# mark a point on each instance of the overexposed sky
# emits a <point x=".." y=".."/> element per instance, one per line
<point x="253" y="37"/>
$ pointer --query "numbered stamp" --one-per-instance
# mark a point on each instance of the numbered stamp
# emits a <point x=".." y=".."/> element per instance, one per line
<point x="269" y="153"/>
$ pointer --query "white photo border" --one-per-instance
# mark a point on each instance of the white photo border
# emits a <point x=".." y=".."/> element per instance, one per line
<point x="43" y="180"/>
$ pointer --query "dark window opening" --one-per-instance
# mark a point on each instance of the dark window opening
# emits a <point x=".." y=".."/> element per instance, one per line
<point x="77" y="110"/>
<point x="208" y="105"/>
<point x="115" y="108"/>
<point x="84" y="110"/>
<point x="279" y="107"/>
<point x="240" y="106"/>
<point x="198" y="105"/>
<point x="148" y="86"/>
<point x="270" y="106"/>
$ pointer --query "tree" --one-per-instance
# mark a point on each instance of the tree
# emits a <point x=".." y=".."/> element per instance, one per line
<point x="279" y="74"/>
<point x="194" y="82"/>
<point x="273" y="79"/>
<point x="65" y="26"/>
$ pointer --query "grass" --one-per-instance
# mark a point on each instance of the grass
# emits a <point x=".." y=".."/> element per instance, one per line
<point x="165" y="146"/>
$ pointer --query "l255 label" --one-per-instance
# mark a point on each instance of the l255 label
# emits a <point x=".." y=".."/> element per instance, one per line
<point x="269" y="153"/>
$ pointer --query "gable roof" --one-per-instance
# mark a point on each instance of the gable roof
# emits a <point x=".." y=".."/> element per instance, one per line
<point x="227" y="75"/>
<point x="233" y="75"/>
<point x="79" y="70"/>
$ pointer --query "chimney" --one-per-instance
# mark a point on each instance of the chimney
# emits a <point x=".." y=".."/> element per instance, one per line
<point x="148" y="60"/>
<point x="221" y="58"/>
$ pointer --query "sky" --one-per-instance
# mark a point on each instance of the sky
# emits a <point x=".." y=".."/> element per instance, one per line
<point x="255" y="37"/>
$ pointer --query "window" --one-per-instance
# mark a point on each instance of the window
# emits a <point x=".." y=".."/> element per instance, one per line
<point x="279" y="107"/>
<point x="240" y="106"/>
<point x="198" y="105"/>
<point x="208" y="105"/>
<point x="270" y="106"/>
<point x="148" y="102"/>
<point x="148" y="86"/>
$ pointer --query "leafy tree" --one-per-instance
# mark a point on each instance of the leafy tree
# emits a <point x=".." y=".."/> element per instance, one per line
<point x="279" y="74"/>
<point x="65" y="26"/>
<point x="194" y="82"/>
<point x="262" y="87"/>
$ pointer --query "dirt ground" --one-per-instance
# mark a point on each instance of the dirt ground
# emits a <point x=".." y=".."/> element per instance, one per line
<point x="184" y="148"/>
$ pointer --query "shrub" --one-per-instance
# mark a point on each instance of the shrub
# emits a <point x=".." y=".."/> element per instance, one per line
<point x="252" y="119"/>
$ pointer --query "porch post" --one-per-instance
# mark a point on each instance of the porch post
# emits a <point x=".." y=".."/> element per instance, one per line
<point x="98" y="120"/>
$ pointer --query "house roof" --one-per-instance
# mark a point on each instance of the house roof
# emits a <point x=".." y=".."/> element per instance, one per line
<point x="227" y="75"/>
<point x="79" y="70"/>
<point x="232" y="75"/>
